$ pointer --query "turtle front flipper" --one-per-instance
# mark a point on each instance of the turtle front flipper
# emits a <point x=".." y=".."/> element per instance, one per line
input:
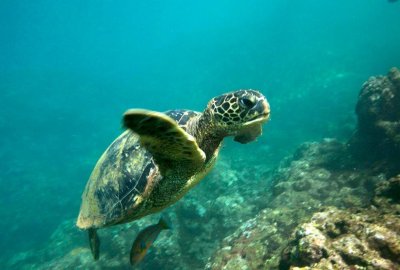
<point x="94" y="242"/>
<point x="164" y="139"/>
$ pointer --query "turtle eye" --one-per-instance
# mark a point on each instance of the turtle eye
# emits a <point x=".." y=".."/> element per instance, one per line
<point x="247" y="102"/>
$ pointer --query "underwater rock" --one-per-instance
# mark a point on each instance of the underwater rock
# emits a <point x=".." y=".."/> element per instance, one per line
<point x="345" y="239"/>
<point x="256" y="244"/>
<point x="323" y="174"/>
<point x="387" y="195"/>
<point x="317" y="175"/>
<point x="377" y="137"/>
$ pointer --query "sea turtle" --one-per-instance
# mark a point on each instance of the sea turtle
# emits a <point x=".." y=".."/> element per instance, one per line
<point x="161" y="156"/>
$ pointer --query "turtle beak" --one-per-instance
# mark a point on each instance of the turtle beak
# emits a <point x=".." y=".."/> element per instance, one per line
<point x="253" y="128"/>
<point x="264" y="109"/>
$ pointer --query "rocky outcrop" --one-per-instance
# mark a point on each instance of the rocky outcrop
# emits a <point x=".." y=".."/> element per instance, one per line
<point x="387" y="195"/>
<point x="350" y="239"/>
<point x="317" y="175"/>
<point x="345" y="239"/>
<point x="353" y="238"/>
<point x="322" y="174"/>
<point x="377" y="138"/>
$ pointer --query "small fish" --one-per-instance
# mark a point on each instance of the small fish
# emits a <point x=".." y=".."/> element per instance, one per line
<point x="145" y="239"/>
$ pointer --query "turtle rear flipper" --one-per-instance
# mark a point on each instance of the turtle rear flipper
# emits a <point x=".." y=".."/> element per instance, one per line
<point x="94" y="242"/>
<point x="164" y="139"/>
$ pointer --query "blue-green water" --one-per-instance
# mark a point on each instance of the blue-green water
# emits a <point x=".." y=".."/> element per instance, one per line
<point x="69" y="69"/>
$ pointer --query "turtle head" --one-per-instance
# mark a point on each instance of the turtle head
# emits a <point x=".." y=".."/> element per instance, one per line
<point x="239" y="114"/>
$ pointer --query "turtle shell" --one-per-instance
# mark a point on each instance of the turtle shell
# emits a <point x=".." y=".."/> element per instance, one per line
<point x="122" y="180"/>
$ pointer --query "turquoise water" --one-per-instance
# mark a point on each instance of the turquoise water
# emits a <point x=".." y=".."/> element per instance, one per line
<point x="69" y="69"/>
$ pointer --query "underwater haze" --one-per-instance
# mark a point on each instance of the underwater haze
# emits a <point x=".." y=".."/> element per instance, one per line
<point x="70" y="69"/>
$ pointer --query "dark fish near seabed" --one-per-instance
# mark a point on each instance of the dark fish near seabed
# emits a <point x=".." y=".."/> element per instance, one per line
<point x="145" y="239"/>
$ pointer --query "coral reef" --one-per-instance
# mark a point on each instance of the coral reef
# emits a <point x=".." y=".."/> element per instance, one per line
<point x="322" y="174"/>
<point x="258" y="241"/>
<point x="377" y="138"/>
<point x="317" y="175"/>
<point x="333" y="239"/>
<point x="345" y="239"/>
<point x="349" y="239"/>
<point x="387" y="195"/>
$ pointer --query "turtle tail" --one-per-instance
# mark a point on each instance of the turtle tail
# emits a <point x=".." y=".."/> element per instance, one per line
<point x="163" y="224"/>
<point x="94" y="242"/>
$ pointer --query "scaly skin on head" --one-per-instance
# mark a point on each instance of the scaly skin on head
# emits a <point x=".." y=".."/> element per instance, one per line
<point x="240" y="113"/>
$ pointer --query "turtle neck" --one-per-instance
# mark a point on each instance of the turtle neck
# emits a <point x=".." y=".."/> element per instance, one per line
<point x="208" y="137"/>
